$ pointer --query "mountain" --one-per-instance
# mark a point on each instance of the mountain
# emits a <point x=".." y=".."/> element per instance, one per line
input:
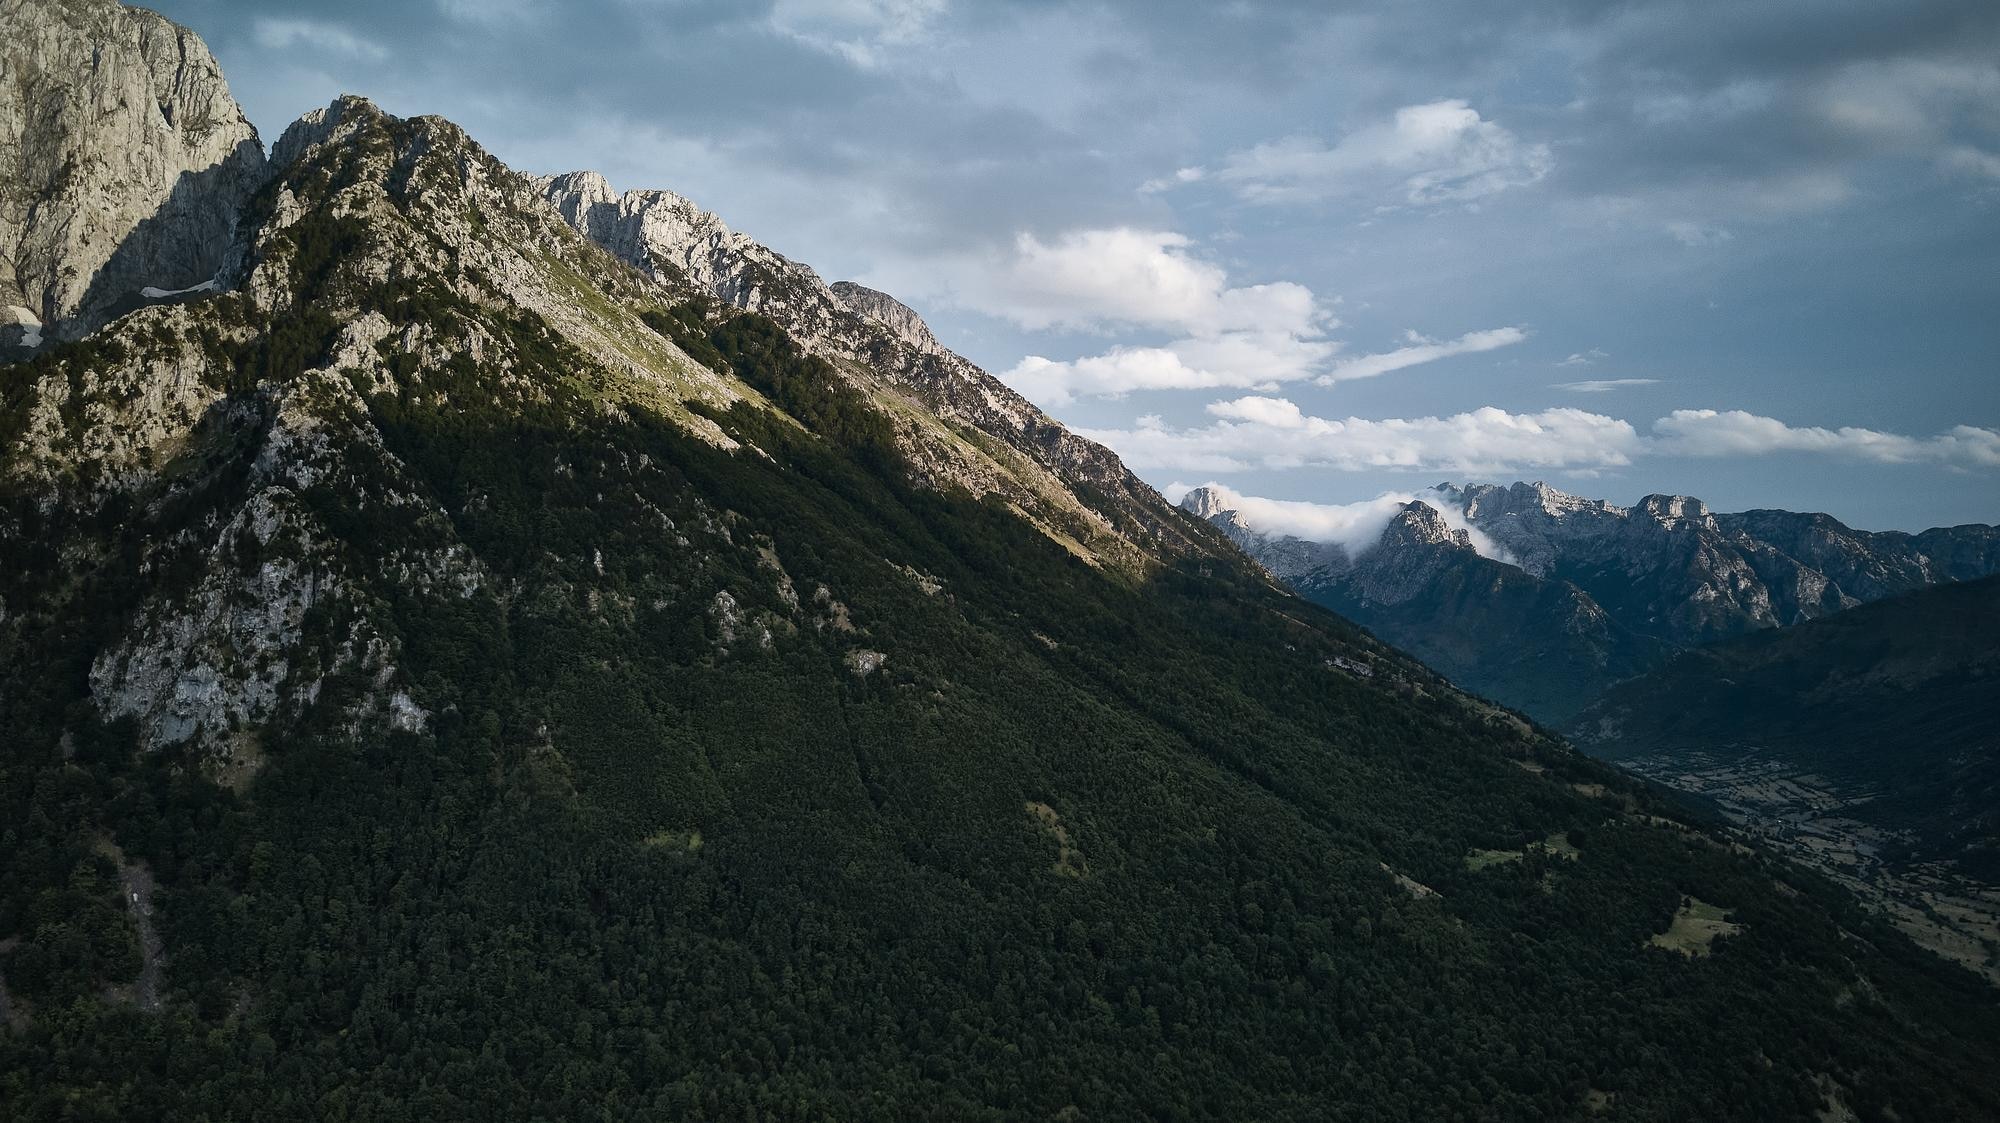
<point x="1576" y="594"/>
<point x="1670" y="568"/>
<point x="1541" y="646"/>
<point x="465" y="669"/>
<point x="1866" y="744"/>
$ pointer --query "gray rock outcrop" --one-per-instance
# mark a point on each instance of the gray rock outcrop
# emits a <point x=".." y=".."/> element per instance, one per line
<point x="891" y="313"/>
<point x="124" y="160"/>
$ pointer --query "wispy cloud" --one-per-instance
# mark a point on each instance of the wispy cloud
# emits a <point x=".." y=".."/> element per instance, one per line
<point x="284" y="34"/>
<point x="1600" y="385"/>
<point x="1696" y="235"/>
<point x="1180" y="178"/>
<point x="1585" y="358"/>
<point x="860" y="31"/>
<point x="1421" y="349"/>
<point x="1437" y="152"/>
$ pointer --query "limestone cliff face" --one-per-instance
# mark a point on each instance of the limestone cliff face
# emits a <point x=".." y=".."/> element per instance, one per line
<point x="891" y="313"/>
<point x="124" y="164"/>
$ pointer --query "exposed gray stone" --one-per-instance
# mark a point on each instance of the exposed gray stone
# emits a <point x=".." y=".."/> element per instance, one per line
<point x="124" y="164"/>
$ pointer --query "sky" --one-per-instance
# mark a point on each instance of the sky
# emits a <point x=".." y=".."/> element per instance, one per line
<point x="1317" y="252"/>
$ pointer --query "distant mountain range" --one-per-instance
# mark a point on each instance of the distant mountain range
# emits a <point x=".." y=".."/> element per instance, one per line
<point x="1866" y="744"/>
<point x="1575" y="594"/>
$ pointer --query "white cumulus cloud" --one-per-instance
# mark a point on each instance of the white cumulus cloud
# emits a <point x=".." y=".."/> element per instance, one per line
<point x="1127" y="277"/>
<point x="1707" y="432"/>
<point x="1273" y="433"/>
<point x="1241" y="360"/>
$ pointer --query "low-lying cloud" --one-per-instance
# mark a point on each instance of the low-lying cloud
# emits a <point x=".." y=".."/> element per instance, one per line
<point x="1354" y="527"/>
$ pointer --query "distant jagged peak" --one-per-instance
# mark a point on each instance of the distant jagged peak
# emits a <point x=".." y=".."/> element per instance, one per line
<point x="1675" y="511"/>
<point x="1420" y="524"/>
<point x="1205" y="502"/>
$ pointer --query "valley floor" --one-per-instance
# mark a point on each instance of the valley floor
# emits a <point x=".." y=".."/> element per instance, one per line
<point x="1810" y="819"/>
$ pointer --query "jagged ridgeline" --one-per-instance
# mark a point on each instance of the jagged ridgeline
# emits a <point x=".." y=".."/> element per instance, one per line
<point x="465" y="670"/>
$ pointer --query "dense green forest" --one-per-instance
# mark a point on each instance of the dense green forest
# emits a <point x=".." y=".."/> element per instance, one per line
<point x="757" y="781"/>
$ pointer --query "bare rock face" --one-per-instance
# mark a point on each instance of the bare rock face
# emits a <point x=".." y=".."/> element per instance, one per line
<point x="891" y="313"/>
<point x="124" y="164"/>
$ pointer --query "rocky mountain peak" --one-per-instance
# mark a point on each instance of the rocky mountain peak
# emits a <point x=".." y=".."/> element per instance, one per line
<point x="317" y="126"/>
<point x="1676" y="510"/>
<point x="1204" y="503"/>
<point x="672" y="240"/>
<point x="1420" y="524"/>
<point x="891" y="313"/>
<point x="124" y="163"/>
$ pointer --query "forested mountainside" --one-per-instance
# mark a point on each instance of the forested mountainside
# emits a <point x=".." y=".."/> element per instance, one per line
<point x="1867" y="743"/>
<point x="1572" y="595"/>
<point x="452" y="673"/>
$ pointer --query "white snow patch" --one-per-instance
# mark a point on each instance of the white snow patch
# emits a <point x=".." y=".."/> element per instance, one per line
<point x="151" y="293"/>
<point x="29" y="323"/>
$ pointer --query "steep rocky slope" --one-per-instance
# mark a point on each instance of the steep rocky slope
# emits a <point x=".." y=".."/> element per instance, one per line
<point x="123" y="165"/>
<point x="960" y="426"/>
<point x="517" y="686"/>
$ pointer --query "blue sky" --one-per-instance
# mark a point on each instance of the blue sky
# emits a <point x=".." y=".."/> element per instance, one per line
<point x="1318" y="251"/>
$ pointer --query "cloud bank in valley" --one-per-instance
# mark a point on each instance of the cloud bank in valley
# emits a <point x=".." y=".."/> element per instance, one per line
<point x="1354" y="527"/>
